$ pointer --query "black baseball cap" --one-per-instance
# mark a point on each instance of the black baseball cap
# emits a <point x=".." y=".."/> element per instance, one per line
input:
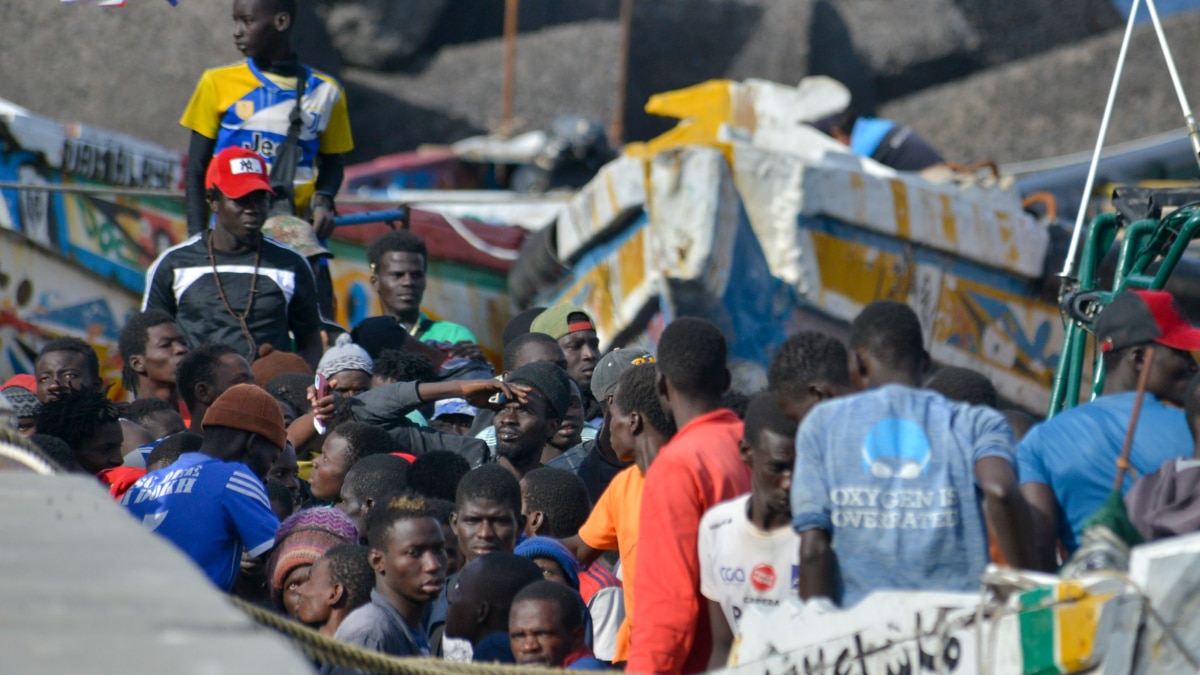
<point x="1142" y="317"/>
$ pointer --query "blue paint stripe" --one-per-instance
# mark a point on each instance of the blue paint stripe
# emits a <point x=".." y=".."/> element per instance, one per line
<point x="134" y="280"/>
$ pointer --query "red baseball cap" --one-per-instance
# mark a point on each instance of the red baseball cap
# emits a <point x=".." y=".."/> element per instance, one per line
<point x="1141" y="317"/>
<point x="237" y="172"/>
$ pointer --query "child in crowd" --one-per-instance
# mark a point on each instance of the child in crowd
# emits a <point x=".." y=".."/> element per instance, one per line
<point x="338" y="583"/>
<point x="408" y="555"/>
<point x="348" y="443"/>
<point x="749" y="554"/>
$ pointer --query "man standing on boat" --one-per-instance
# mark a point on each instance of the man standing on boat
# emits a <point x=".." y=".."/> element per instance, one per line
<point x="253" y="104"/>
<point x="885" y="141"/>
<point x="231" y="285"/>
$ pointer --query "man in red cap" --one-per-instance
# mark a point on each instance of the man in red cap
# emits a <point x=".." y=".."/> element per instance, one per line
<point x="230" y="284"/>
<point x="1067" y="464"/>
<point x="213" y="504"/>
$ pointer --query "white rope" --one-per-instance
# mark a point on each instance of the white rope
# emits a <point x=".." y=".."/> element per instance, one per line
<point x="1166" y="49"/>
<point x="1193" y="130"/>
<point x="26" y="459"/>
<point x="1068" y="271"/>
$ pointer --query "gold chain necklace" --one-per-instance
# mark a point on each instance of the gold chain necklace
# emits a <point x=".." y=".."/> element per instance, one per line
<point x="241" y="318"/>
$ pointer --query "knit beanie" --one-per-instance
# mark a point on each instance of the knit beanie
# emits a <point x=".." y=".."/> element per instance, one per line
<point x="249" y="408"/>
<point x="552" y="381"/>
<point x="345" y="355"/>
<point x="302" y="538"/>
<point x="377" y="333"/>
<point x="24" y="403"/>
<point x="272" y="362"/>
<point x="547" y="547"/>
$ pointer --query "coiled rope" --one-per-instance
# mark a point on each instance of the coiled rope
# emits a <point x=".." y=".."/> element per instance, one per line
<point x="327" y="650"/>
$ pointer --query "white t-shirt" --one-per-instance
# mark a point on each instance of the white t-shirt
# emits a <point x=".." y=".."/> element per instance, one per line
<point x="742" y="565"/>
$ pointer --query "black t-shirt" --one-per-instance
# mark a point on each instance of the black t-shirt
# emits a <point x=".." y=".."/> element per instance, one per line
<point x="182" y="283"/>
<point x="905" y="150"/>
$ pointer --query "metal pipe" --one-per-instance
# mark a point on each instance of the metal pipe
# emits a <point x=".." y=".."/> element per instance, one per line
<point x="392" y="197"/>
<point x="1193" y="130"/>
<point x="371" y="217"/>
<point x="1068" y="271"/>
<point x="417" y="197"/>
<point x="1128" y="263"/>
<point x="1068" y="377"/>
<point x="511" y="8"/>
<point x="616" y="130"/>
<point x="1178" y="247"/>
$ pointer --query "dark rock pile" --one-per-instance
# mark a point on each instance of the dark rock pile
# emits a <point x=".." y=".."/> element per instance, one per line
<point x="1007" y="79"/>
<point x="1051" y="104"/>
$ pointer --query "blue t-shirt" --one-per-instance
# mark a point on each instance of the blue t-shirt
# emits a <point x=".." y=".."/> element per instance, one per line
<point x="1075" y="453"/>
<point x="210" y="509"/>
<point x="890" y="474"/>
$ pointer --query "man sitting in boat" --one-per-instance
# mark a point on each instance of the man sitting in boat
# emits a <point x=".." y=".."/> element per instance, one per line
<point x="885" y="141"/>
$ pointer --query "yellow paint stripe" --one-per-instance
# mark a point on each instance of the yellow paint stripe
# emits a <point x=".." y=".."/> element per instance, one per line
<point x="614" y="207"/>
<point x="900" y="204"/>
<point x="631" y="263"/>
<point x="949" y="225"/>
<point x="1077" y="623"/>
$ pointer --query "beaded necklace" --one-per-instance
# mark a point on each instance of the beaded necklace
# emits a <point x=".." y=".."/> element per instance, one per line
<point x="241" y="318"/>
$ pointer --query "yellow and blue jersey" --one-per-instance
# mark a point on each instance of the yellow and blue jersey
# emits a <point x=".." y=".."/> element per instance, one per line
<point x="240" y="105"/>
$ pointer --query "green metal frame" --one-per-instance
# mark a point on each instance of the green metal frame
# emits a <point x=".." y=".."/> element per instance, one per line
<point x="1145" y="242"/>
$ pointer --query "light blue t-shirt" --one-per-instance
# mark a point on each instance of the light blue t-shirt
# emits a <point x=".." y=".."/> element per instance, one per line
<point x="890" y="474"/>
<point x="868" y="133"/>
<point x="1075" y="453"/>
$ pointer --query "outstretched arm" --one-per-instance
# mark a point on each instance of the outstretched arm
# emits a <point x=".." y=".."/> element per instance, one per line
<point x="586" y="555"/>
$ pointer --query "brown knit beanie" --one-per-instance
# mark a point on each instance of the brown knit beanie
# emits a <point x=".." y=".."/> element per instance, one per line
<point x="249" y="408"/>
<point x="272" y="362"/>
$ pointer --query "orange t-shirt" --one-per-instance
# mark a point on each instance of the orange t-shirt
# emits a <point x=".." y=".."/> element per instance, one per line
<point x="613" y="526"/>
<point x="698" y="469"/>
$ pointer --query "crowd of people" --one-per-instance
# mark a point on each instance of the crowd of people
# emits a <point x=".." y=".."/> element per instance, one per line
<point x="386" y="487"/>
<point x="580" y="509"/>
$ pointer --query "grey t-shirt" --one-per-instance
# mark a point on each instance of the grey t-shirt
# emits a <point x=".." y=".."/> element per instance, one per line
<point x="890" y="474"/>
<point x="379" y="627"/>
